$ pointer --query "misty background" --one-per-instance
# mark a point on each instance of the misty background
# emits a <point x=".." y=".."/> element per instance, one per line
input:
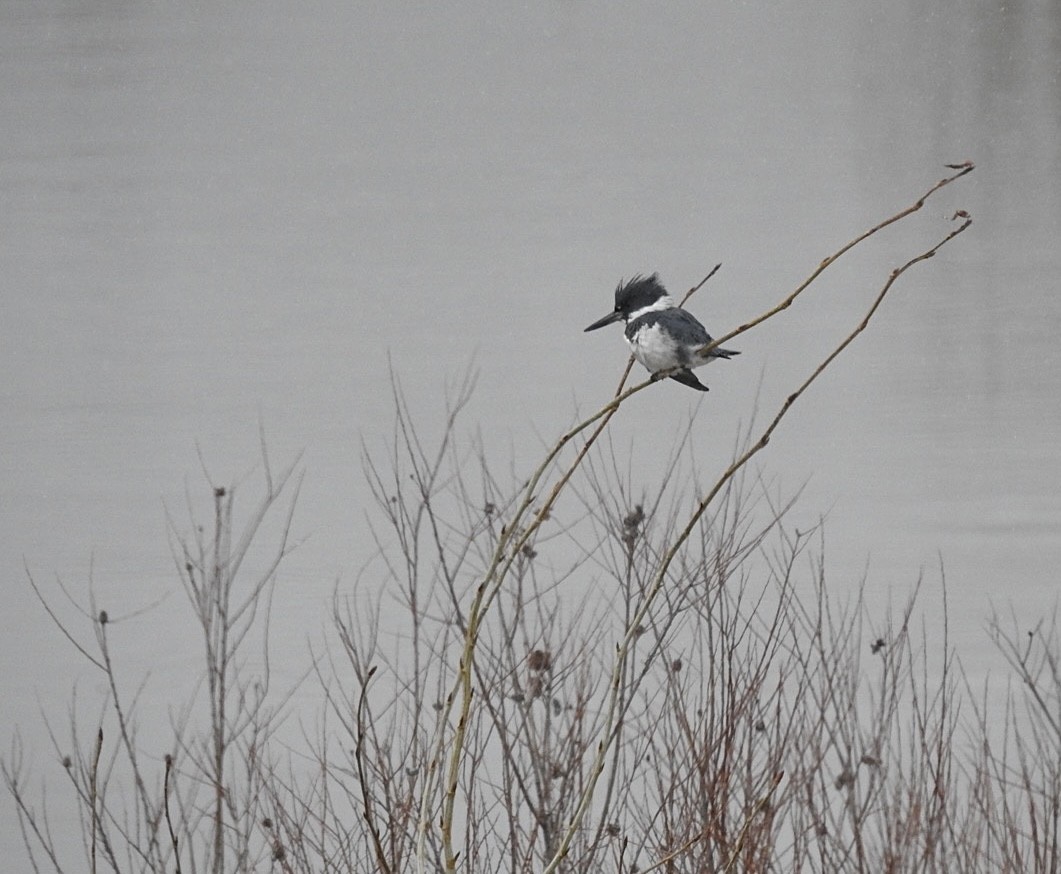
<point x="217" y="217"/>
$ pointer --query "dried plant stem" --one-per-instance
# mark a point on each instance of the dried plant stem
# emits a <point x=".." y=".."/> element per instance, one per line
<point x="962" y="169"/>
<point x="760" y="805"/>
<point x="169" y="818"/>
<point x="362" y="778"/>
<point x="623" y="649"/>
<point x="504" y="555"/>
<point x="93" y="795"/>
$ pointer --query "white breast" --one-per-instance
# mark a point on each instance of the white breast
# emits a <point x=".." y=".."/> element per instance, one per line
<point x="654" y="349"/>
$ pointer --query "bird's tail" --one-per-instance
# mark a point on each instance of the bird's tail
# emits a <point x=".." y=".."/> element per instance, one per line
<point x="719" y="352"/>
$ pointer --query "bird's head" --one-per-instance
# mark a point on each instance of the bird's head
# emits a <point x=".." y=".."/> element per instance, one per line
<point x="641" y="294"/>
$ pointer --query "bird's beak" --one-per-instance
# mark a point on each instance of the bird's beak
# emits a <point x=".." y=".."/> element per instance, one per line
<point x="607" y="320"/>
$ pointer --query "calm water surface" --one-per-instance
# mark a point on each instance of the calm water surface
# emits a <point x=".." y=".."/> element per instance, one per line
<point x="217" y="218"/>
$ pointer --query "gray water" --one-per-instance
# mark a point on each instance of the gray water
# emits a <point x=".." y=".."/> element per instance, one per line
<point x="219" y="217"/>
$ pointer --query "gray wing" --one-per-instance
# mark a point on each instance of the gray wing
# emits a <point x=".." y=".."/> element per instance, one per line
<point x="684" y="326"/>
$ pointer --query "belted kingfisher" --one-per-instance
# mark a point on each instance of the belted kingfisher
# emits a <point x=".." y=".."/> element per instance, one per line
<point x="661" y="334"/>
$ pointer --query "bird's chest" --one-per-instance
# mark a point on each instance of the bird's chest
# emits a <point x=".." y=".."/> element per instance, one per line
<point x="655" y="348"/>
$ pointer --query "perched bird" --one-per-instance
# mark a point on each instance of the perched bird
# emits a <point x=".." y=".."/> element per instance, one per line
<point x="661" y="334"/>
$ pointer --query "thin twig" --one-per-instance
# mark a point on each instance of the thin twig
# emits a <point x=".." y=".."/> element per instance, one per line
<point x="169" y="819"/>
<point x="963" y="169"/>
<point x="366" y="795"/>
<point x="93" y="784"/>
